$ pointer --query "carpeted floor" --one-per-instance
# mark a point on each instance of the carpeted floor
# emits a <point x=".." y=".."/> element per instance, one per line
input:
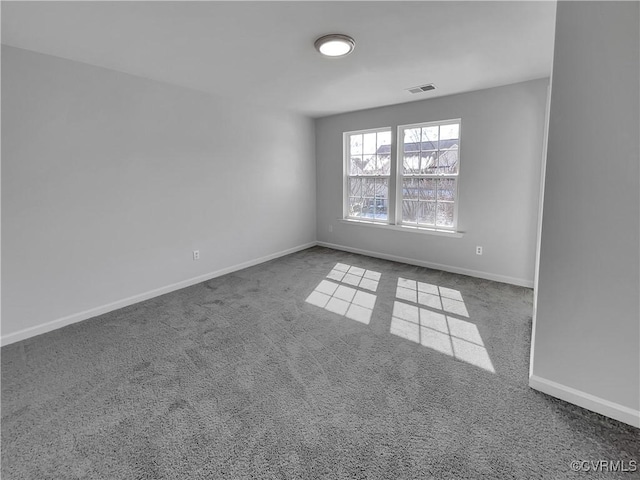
<point x="419" y="374"/>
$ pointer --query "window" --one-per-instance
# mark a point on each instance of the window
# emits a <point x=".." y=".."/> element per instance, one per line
<point x="368" y="173"/>
<point x="414" y="183"/>
<point x="429" y="174"/>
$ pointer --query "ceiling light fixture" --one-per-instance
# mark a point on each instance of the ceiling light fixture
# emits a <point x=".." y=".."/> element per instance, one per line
<point x="335" y="45"/>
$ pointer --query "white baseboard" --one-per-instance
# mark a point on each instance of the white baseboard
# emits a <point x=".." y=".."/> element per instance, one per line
<point x="437" y="266"/>
<point x="586" y="400"/>
<point x="94" y="312"/>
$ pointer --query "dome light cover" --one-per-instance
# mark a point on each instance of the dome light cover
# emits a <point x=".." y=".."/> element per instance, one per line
<point x="335" y="45"/>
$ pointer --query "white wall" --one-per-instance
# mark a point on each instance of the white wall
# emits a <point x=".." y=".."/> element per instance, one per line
<point x="501" y="155"/>
<point x="109" y="181"/>
<point x="587" y="328"/>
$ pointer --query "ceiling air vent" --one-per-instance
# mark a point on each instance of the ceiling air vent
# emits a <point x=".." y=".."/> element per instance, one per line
<point x="422" y="88"/>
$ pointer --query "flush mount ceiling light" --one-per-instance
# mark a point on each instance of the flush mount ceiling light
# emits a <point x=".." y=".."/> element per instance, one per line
<point x="335" y="45"/>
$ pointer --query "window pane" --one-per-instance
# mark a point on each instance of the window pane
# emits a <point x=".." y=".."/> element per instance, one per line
<point x="410" y="189"/>
<point x="448" y="160"/>
<point x="355" y="187"/>
<point x="409" y="211"/>
<point x="430" y="138"/>
<point x="427" y="189"/>
<point x="449" y="132"/>
<point x="369" y="165"/>
<point x="382" y="198"/>
<point x="355" y="165"/>
<point x="375" y="208"/>
<point x="384" y="142"/>
<point x="368" y="207"/>
<point x="411" y="164"/>
<point x="356" y="144"/>
<point x="427" y="213"/>
<point x="412" y="138"/>
<point x="445" y="215"/>
<point x="429" y="162"/>
<point x="382" y="187"/>
<point x="355" y="206"/>
<point x="369" y="145"/>
<point x="448" y="145"/>
<point x="447" y="189"/>
<point x="384" y="165"/>
<point x="368" y="187"/>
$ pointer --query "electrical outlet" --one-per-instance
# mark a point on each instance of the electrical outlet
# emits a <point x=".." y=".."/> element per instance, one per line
<point x="330" y="228"/>
<point x="478" y="250"/>
<point x="196" y="254"/>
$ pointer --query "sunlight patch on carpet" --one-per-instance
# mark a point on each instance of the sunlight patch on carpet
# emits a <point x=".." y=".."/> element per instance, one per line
<point x="342" y="292"/>
<point x="431" y="319"/>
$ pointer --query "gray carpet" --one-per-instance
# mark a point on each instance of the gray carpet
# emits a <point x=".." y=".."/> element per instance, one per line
<point x="241" y="377"/>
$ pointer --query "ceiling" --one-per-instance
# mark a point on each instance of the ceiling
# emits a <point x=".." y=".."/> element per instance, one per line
<point x="262" y="52"/>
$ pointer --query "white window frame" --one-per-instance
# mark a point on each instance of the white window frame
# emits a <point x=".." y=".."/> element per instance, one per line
<point x="395" y="177"/>
<point x="346" y="175"/>
<point x="400" y="175"/>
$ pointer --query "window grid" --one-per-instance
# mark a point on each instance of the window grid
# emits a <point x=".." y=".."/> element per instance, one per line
<point x="428" y="169"/>
<point x="410" y="181"/>
<point x="368" y="173"/>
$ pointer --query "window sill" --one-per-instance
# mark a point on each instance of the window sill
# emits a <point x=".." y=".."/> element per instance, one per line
<point x="404" y="228"/>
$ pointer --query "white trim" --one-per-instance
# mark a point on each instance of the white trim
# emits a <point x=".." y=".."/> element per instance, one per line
<point x="403" y="228"/>
<point x="536" y="266"/>
<point x="367" y="130"/>
<point x="586" y="400"/>
<point x="392" y="213"/>
<point x="437" y="266"/>
<point x="432" y="123"/>
<point x="94" y="312"/>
